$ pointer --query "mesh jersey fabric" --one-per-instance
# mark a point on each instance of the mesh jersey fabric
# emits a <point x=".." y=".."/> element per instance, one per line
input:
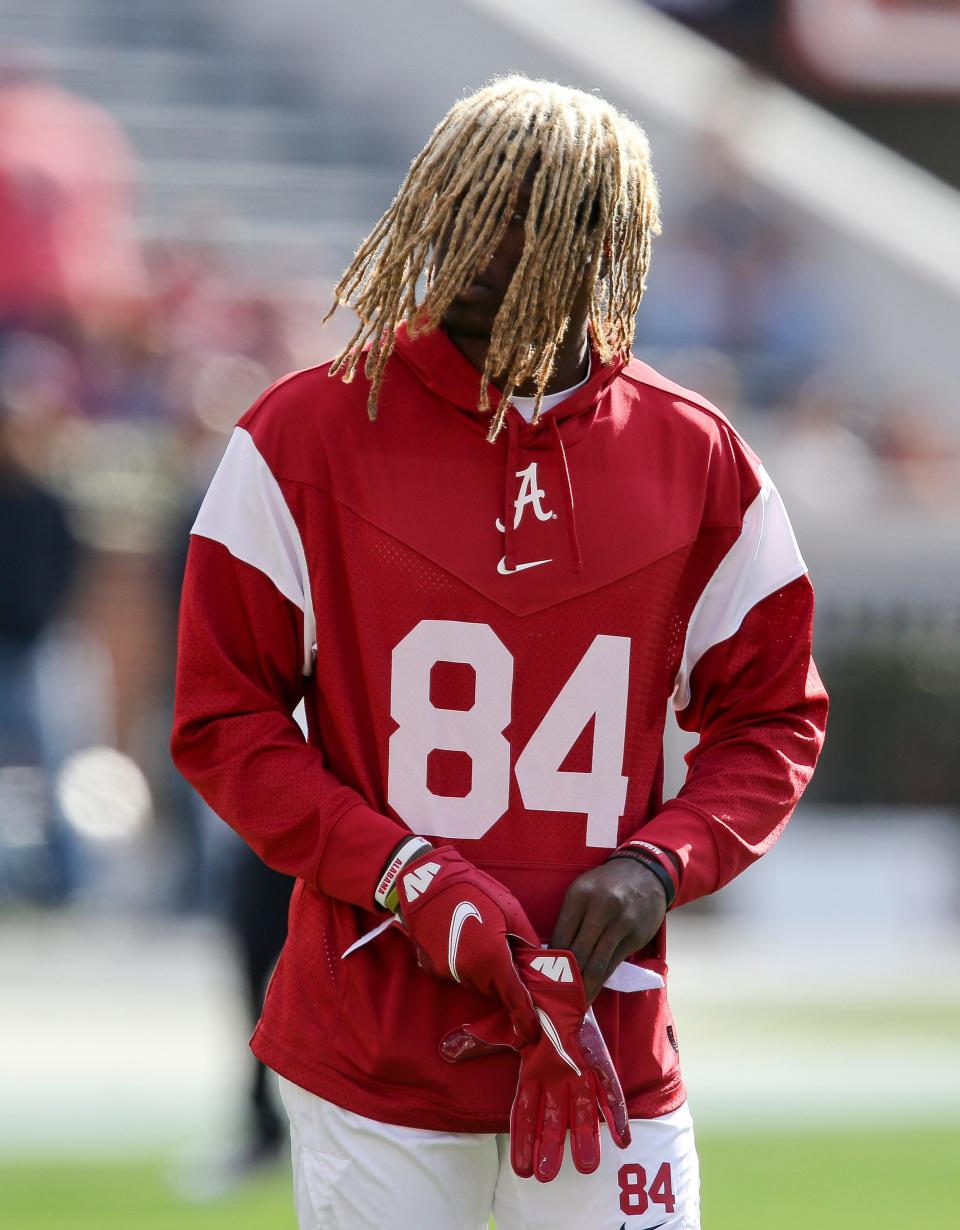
<point x="418" y="627"/>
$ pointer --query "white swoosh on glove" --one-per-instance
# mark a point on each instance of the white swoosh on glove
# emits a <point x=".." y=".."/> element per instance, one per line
<point x="465" y="910"/>
<point x="551" y="1031"/>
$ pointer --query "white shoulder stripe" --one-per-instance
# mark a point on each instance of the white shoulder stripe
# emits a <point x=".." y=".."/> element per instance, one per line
<point x="763" y="559"/>
<point x="244" y="509"/>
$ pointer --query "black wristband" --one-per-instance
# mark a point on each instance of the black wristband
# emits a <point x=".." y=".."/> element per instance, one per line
<point x="652" y="865"/>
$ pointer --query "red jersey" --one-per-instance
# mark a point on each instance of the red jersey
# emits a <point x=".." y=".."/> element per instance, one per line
<point x="485" y="638"/>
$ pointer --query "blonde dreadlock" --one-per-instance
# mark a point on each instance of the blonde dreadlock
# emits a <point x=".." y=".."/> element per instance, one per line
<point x="593" y="199"/>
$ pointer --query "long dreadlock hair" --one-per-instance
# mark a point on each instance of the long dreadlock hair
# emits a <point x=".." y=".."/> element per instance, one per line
<point x="593" y="205"/>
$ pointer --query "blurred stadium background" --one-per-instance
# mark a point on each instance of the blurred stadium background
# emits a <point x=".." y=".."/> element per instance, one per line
<point x="180" y="183"/>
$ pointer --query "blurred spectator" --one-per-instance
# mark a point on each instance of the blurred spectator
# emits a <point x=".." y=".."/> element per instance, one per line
<point x="921" y="452"/>
<point x="124" y="364"/>
<point x="823" y="465"/>
<point x="729" y="278"/>
<point x="37" y="564"/>
<point x="40" y="386"/>
<point x="66" y="173"/>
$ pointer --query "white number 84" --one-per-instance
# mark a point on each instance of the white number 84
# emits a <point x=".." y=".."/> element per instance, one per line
<point x="597" y="688"/>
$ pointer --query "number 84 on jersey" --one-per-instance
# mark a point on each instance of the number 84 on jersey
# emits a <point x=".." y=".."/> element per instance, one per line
<point x="597" y="688"/>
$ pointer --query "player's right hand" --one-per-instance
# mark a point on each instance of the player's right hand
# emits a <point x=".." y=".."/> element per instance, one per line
<point x="567" y="1078"/>
<point x="461" y="921"/>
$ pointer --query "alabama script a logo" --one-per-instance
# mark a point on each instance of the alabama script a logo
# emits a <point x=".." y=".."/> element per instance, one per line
<point x="531" y="495"/>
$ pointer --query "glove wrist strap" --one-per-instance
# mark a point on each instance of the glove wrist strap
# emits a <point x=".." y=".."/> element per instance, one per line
<point x="385" y="894"/>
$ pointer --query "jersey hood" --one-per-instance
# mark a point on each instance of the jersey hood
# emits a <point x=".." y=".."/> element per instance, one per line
<point x="447" y="372"/>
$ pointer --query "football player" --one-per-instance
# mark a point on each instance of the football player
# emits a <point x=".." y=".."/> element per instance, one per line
<point x="485" y="547"/>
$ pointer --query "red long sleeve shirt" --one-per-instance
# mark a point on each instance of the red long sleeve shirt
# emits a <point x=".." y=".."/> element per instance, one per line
<point x="485" y="638"/>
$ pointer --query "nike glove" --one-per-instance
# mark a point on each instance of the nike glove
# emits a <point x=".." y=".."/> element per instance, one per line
<point x="567" y="1078"/>
<point x="460" y="920"/>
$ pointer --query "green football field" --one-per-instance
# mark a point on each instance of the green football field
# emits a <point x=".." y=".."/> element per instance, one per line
<point x="902" y="1180"/>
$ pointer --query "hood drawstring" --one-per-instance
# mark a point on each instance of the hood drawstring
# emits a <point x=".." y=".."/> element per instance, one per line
<point x="568" y="493"/>
<point x="509" y="488"/>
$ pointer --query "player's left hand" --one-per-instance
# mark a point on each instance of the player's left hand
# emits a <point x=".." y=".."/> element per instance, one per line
<point x="607" y="914"/>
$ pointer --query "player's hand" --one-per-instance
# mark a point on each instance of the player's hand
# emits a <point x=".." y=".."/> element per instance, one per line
<point x="607" y="914"/>
<point x="567" y="1078"/>
<point x="461" y="921"/>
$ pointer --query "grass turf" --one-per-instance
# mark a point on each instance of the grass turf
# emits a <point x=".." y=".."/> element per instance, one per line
<point x="865" y="1179"/>
<point x="858" y="1180"/>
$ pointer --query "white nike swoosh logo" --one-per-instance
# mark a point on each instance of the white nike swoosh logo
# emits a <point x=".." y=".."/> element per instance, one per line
<point x="465" y="910"/>
<point x="508" y="572"/>
<point x="551" y="1031"/>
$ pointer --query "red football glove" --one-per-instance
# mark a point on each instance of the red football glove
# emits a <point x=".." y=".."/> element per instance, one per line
<point x="460" y="920"/>
<point x="566" y="1074"/>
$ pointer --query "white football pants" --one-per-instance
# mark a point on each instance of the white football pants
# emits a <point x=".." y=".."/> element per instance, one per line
<point x="352" y="1173"/>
